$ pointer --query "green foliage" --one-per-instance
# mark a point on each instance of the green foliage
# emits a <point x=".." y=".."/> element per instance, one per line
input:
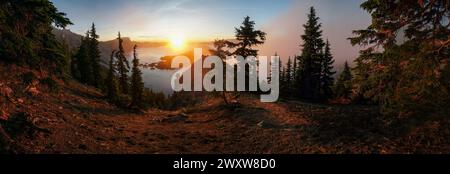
<point x="86" y="63"/>
<point x="313" y="77"/>
<point x="122" y="68"/>
<point x="247" y="38"/>
<point x="343" y="86"/>
<point x="112" y="90"/>
<point x="94" y="54"/>
<point x="409" y="79"/>
<point x="25" y="29"/>
<point x="137" y="85"/>
<point x="326" y="78"/>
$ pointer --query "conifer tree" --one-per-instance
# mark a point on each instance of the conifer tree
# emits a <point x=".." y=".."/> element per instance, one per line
<point x="122" y="68"/>
<point x="221" y="51"/>
<point x="343" y="86"/>
<point x="327" y="79"/>
<point x="282" y="79"/>
<point x="26" y="35"/>
<point x="94" y="54"/>
<point x="83" y="60"/>
<point x="295" y="78"/>
<point x="111" y="81"/>
<point x="311" y="59"/>
<point x="408" y="78"/>
<point x="247" y="38"/>
<point x="137" y="86"/>
<point x="288" y="75"/>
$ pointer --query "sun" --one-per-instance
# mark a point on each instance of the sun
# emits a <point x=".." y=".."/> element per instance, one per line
<point x="177" y="42"/>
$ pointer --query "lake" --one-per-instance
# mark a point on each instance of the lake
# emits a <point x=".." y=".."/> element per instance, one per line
<point x="155" y="79"/>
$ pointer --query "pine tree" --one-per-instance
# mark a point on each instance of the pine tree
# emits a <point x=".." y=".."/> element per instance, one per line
<point x="94" y="54"/>
<point x="409" y="79"/>
<point x="343" y="86"/>
<point x="220" y="51"/>
<point x="84" y="62"/>
<point x="288" y="76"/>
<point x="295" y="78"/>
<point x="26" y="35"/>
<point x="111" y="81"/>
<point x="122" y="68"/>
<point x="137" y="86"/>
<point x="247" y="38"/>
<point x="311" y="59"/>
<point x="282" y="79"/>
<point x="327" y="79"/>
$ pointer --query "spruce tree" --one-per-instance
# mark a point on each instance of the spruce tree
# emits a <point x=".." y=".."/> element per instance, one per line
<point x="327" y="79"/>
<point x="282" y="79"/>
<point x="137" y="86"/>
<point x="84" y="62"/>
<point x="122" y="68"/>
<point x="94" y="54"/>
<point x="311" y="59"/>
<point x="288" y="76"/>
<point x="295" y="78"/>
<point x="26" y="35"/>
<point x="343" y="86"/>
<point x="221" y="51"/>
<point x="247" y="38"/>
<point x="408" y="78"/>
<point x="111" y="81"/>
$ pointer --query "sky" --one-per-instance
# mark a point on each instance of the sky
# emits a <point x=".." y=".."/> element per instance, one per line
<point x="206" y="20"/>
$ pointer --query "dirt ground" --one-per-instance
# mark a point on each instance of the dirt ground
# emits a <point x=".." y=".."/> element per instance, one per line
<point x="76" y="120"/>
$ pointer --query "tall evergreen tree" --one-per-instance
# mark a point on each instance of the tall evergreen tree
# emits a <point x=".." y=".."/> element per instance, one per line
<point x="288" y="75"/>
<point x="94" y="54"/>
<point x="410" y="78"/>
<point x="221" y="51"/>
<point x="343" y="86"/>
<point x="26" y="34"/>
<point x="122" y="68"/>
<point x="311" y="59"/>
<point x="112" y="89"/>
<point x="327" y="79"/>
<point x="84" y="61"/>
<point x="137" y="86"/>
<point x="247" y="38"/>
<point x="295" y="78"/>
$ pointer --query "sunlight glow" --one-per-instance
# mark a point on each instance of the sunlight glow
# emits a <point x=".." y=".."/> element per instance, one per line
<point x="178" y="42"/>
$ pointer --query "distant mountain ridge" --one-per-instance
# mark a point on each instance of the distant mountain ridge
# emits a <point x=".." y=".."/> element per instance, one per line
<point x="73" y="40"/>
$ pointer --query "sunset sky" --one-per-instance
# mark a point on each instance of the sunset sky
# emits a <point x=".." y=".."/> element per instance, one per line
<point x="206" y="20"/>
